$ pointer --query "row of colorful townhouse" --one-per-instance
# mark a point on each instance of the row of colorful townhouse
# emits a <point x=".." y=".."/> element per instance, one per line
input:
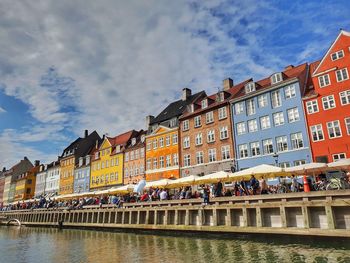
<point x="296" y="116"/>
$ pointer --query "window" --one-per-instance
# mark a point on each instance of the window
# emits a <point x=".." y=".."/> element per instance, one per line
<point x="204" y="103"/>
<point x="328" y="102"/>
<point x="250" y="107"/>
<point x="209" y="116"/>
<point x="116" y="162"/>
<point x="155" y="163"/>
<point x="132" y="155"/>
<point x="297" y="140"/>
<point x="275" y="78"/>
<point x="102" y="165"/>
<point x="249" y="87"/>
<point x="175" y="159"/>
<point x="186" y="142"/>
<point x="293" y="115"/>
<point x="223" y="133"/>
<point x="252" y="125"/>
<point x="268" y="146"/>
<point x="142" y="152"/>
<point x="137" y="154"/>
<point x="187" y="160"/>
<point x="126" y="157"/>
<point x="199" y="139"/>
<point x="312" y="106"/>
<point x="241" y="129"/>
<point x="345" y="97"/>
<point x="278" y="118"/>
<point x="212" y="155"/>
<point x="276" y="99"/>
<point x="262" y="101"/>
<point x="107" y="164"/>
<point x="168" y="160"/>
<point x="185" y="125"/>
<point x="339" y="156"/>
<point x="342" y="74"/>
<point x="239" y="107"/>
<point x="265" y="122"/>
<point x="161" y="162"/>
<point x="148" y="146"/>
<point x="174" y="139"/>
<point x="221" y="96"/>
<point x="222" y="113"/>
<point x="282" y="143"/>
<point x="161" y="142"/>
<point x="173" y="122"/>
<point x="243" y="150"/>
<point x="289" y="92"/>
<point x="225" y="152"/>
<point x="155" y="144"/>
<point x="197" y="121"/>
<point x="333" y="129"/>
<point x="112" y="162"/>
<point x="255" y="148"/>
<point x="284" y="165"/>
<point x="324" y="80"/>
<point x="211" y="136"/>
<point x="167" y="140"/>
<point x="317" y="133"/>
<point x="199" y="157"/>
<point x="149" y="164"/>
<point x="347" y="125"/>
<point x="337" y="55"/>
<point x="299" y="162"/>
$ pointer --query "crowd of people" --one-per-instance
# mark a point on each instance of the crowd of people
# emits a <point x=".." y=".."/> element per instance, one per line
<point x="219" y="189"/>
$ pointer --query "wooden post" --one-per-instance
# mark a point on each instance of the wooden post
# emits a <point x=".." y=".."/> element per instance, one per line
<point x="215" y="217"/>
<point x="306" y="217"/>
<point x="245" y="216"/>
<point x="187" y="217"/>
<point x="330" y="217"/>
<point x="258" y="217"/>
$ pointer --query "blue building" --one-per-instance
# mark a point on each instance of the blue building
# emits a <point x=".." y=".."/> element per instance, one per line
<point x="82" y="175"/>
<point x="268" y="120"/>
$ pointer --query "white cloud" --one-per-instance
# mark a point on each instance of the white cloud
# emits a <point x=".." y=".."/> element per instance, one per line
<point x="2" y="110"/>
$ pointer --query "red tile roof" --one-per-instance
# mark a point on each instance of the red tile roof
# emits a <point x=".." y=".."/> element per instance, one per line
<point x="121" y="139"/>
<point x="310" y="90"/>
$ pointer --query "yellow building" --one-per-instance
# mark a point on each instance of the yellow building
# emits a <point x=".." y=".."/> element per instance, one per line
<point x="67" y="174"/>
<point x="107" y="162"/>
<point x="25" y="184"/>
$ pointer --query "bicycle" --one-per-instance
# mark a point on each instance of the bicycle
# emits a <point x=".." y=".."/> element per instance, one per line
<point x="337" y="184"/>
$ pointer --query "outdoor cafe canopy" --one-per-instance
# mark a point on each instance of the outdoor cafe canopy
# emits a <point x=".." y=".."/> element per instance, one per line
<point x="343" y="164"/>
<point x="263" y="170"/>
<point x="308" y="168"/>
<point x="184" y="181"/>
<point x="213" y="177"/>
<point x="159" y="183"/>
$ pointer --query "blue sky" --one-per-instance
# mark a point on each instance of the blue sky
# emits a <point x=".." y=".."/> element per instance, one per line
<point x="67" y="66"/>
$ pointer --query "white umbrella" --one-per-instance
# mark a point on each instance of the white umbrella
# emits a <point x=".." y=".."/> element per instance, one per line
<point x="308" y="168"/>
<point x="122" y="189"/>
<point x="343" y="164"/>
<point x="184" y="181"/>
<point x="259" y="171"/>
<point x="159" y="183"/>
<point x="213" y="177"/>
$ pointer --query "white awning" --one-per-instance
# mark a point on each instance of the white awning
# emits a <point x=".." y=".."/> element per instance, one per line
<point x="263" y="170"/>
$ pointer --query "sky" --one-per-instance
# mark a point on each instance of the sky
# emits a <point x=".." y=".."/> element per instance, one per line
<point x="67" y="66"/>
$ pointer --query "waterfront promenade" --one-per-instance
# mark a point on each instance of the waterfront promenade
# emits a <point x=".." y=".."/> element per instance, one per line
<point x="324" y="213"/>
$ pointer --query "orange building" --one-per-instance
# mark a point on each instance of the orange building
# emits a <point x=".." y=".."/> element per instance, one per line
<point x="327" y="102"/>
<point x="162" y="140"/>
<point x="134" y="159"/>
<point x="25" y="184"/>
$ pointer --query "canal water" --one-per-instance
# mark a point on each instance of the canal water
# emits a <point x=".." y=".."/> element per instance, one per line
<point x="27" y="244"/>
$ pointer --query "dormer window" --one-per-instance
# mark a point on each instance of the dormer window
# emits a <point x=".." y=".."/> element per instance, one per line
<point x="221" y="96"/>
<point x="204" y="103"/>
<point x="275" y="78"/>
<point x="117" y="149"/>
<point x="249" y="87"/>
<point x="337" y="55"/>
<point x="87" y="160"/>
<point x="191" y="108"/>
<point x="96" y="155"/>
<point x="80" y="161"/>
<point x="173" y="122"/>
<point x="143" y="138"/>
<point x="133" y="141"/>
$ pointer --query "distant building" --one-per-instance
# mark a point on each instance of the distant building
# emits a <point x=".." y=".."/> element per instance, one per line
<point x="327" y="102"/>
<point x="162" y="140"/>
<point x="70" y="158"/>
<point x="52" y="182"/>
<point x="40" y="181"/>
<point x="2" y="184"/>
<point x="82" y="175"/>
<point x="134" y="159"/>
<point x="25" y="183"/>
<point x="10" y="179"/>
<point x="269" y="122"/>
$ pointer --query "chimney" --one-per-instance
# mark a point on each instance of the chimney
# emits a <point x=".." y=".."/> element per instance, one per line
<point x="86" y="133"/>
<point x="227" y="84"/>
<point x="288" y="67"/>
<point x="37" y="163"/>
<point x="4" y="169"/>
<point x="186" y="93"/>
<point x="25" y="158"/>
<point x="149" y="118"/>
<point x="103" y="137"/>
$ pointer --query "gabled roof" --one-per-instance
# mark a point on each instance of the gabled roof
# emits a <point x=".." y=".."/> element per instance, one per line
<point x="310" y="90"/>
<point x="342" y="32"/>
<point x="299" y="72"/>
<point x="138" y="143"/>
<point x="176" y="108"/>
<point x="121" y="139"/>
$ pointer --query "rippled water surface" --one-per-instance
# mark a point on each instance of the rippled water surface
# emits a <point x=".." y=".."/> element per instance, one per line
<point x="52" y="245"/>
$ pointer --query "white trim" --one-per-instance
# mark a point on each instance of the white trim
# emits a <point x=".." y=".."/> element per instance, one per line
<point x="322" y="133"/>
<point x="338" y="154"/>
<point x="341" y="133"/>
<point x="341" y="102"/>
<point x="336" y="52"/>
<point x="342" y="32"/>
<point x="162" y="169"/>
<point x="324" y="72"/>
<point x="202" y="164"/>
<point x="346" y="127"/>
<point x="347" y="74"/>
<point x="154" y="133"/>
<point x="261" y="156"/>
<point x="319" y="81"/>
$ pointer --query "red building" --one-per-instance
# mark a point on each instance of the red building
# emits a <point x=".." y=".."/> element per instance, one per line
<point x="327" y="102"/>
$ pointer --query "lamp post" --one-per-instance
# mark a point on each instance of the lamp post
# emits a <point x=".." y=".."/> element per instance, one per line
<point x="275" y="155"/>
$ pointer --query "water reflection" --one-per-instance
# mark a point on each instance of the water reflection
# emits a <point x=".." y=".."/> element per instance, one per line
<point x="53" y="245"/>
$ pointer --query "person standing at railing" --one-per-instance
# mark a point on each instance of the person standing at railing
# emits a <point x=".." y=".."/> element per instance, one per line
<point x="206" y="193"/>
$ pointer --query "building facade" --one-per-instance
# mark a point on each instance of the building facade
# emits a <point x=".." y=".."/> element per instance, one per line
<point x="25" y="183"/>
<point x="108" y="160"/>
<point x="268" y="120"/>
<point x="134" y="159"/>
<point x="82" y="175"/>
<point x="52" y="183"/>
<point x="206" y="133"/>
<point x="162" y="140"/>
<point x="40" y="181"/>
<point x="2" y="185"/>
<point x="70" y="159"/>
<point x="327" y="102"/>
